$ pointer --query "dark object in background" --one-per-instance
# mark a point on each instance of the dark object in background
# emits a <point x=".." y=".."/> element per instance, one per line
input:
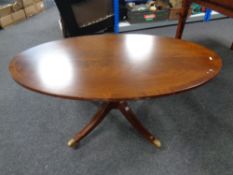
<point x="85" y="17"/>
<point x="148" y="12"/>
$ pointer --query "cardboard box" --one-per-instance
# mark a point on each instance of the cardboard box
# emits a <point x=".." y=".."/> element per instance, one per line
<point x="175" y="13"/>
<point x="27" y="3"/>
<point x="5" y="10"/>
<point x="11" y="17"/>
<point x="176" y="3"/>
<point x="18" y="16"/>
<point x="34" y="9"/>
<point x="31" y="10"/>
<point x="6" y="21"/>
<point x="40" y="6"/>
<point x="18" y="5"/>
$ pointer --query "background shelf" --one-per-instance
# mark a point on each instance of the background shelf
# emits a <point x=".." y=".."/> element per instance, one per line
<point x="125" y="26"/>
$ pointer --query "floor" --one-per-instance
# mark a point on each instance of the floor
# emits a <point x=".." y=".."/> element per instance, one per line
<point x="195" y="127"/>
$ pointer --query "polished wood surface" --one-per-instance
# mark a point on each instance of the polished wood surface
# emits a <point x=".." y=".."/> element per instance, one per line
<point x="114" y="67"/>
<point x="222" y="6"/>
<point x="186" y="4"/>
<point x="228" y="4"/>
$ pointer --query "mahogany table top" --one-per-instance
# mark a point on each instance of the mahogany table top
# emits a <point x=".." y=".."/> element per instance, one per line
<point x="114" y="67"/>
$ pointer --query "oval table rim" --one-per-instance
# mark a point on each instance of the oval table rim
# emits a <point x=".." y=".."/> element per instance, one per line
<point x="144" y="97"/>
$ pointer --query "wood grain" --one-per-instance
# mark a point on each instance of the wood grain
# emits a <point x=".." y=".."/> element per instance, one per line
<point x="114" y="67"/>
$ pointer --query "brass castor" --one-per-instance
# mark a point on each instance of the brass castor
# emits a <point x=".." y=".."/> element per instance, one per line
<point x="72" y="143"/>
<point x="157" y="143"/>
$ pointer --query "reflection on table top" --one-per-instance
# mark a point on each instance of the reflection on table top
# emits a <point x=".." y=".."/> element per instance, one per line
<point x="114" y="67"/>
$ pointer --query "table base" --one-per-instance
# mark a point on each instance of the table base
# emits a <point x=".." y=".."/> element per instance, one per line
<point x="102" y="113"/>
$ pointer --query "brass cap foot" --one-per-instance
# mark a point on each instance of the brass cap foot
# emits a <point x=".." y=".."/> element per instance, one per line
<point x="71" y="143"/>
<point x="157" y="143"/>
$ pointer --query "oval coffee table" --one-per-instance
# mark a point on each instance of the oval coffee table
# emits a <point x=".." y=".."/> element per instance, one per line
<point x="114" y="69"/>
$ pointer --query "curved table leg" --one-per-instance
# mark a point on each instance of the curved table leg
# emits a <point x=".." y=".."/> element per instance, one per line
<point x="131" y="117"/>
<point x="98" y="117"/>
<point x="101" y="114"/>
<point x="182" y="18"/>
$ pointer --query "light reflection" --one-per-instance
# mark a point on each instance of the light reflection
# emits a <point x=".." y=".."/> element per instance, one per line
<point x="139" y="47"/>
<point x="211" y="70"/>
<point x="55" y="70"/>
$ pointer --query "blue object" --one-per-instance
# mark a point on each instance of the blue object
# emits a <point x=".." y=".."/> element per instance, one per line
<point x="207" y="16"/>
<point x="116" y="15"/>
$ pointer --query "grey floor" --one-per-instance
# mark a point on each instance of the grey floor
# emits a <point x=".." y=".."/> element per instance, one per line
<point x="196" y="127"/>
